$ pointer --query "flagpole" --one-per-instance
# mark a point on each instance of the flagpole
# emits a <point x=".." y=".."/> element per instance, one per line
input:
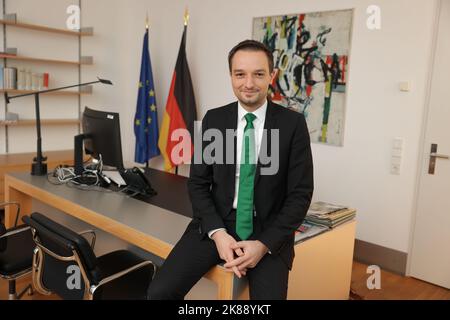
<point x="146" y="116"/>
<point x="186" y="17"/>
<point x="146" y="28"/>
<point x="186" y="22"/>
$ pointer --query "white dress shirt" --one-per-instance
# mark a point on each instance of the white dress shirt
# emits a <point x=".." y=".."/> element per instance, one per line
<point x="258" y="124"/>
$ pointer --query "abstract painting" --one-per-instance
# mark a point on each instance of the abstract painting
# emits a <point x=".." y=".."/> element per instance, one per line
<point x="311" y="53"/>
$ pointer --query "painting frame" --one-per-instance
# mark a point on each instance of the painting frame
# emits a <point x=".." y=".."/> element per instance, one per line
<point x="321" y="98"/>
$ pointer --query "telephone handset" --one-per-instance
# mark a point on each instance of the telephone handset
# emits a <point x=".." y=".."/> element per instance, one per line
<point x="137" y="182"/>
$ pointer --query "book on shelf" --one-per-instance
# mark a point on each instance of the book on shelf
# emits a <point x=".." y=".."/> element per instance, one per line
<point x="9" y="78"/>
<point x="31" y="81"/>
<point x="34" y="81"/>
<point x="46" y="79"/>
<point x="21" y="79"/>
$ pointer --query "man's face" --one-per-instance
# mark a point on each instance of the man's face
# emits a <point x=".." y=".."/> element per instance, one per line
<point x="250" y="77"/>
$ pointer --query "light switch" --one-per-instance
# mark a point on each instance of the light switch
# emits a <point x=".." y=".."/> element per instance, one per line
<point x="405" y="86"/>
<point x="398" y="143"/>
<point x="395" y="168"/>
<point x="397" y="155"/>
<point x="396" y="160"/>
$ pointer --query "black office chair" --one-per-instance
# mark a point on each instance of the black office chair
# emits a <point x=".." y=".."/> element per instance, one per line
<point x="64" y="263"/>
<point x="16" y="253"/>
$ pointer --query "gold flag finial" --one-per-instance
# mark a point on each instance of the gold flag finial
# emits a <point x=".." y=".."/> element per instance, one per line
<point x="186" y="16"/>
<point x="146" y="21"/>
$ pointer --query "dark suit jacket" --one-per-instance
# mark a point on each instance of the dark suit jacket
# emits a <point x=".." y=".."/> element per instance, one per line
<point x="281" y="200"/>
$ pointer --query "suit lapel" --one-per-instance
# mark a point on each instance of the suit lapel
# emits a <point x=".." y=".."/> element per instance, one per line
<point x="231" y="123"/>
<point x="270" y="123"/>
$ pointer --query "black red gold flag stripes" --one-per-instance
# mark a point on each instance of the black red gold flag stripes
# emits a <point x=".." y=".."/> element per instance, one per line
<point x="180" y="111"/>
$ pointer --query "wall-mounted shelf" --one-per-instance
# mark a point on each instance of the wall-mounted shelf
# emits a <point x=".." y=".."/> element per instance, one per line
<point x="53" y="93"/>
<point x="10" y="20"/>
<point x="83" y="60"/>
<point x="44" y="122"/>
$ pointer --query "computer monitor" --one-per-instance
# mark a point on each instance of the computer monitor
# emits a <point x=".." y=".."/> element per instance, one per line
<point x="101" y="136"/>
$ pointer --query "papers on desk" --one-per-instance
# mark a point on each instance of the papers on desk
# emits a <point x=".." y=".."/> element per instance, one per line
<point x="329" y="215"/>
<point x="308" y="230"/>
<point x="115" y="177"/>
<point x="320" y="208"/>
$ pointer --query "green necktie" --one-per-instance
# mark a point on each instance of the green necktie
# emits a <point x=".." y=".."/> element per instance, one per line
<point x="244" y="214"/>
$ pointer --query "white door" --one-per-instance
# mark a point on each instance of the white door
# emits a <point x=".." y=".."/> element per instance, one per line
<point x="430" y="260"/>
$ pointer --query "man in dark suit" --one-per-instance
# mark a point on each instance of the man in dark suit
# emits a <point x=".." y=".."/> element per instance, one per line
<point x="244" y="213"/>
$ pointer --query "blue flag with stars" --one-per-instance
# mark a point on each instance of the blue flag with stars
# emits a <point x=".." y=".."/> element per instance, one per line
<point x="146" y="118"/>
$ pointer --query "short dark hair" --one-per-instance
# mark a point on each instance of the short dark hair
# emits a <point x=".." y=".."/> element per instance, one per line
<point x="251" y="45"/>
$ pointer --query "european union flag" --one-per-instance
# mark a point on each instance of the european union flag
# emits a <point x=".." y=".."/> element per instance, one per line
<point x="146" y="118"/>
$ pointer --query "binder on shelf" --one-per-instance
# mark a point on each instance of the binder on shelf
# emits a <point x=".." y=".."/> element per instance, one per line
<point x="34" y="81"/>
<point x="46" y="77"/>
<point x="2" y="86"/>
<point x="28" y="80"/>
<point x="10" y="52"/>
<point x="10" y="17"/>
<point x="9" y="78"/>
<point x="21" y="79"/>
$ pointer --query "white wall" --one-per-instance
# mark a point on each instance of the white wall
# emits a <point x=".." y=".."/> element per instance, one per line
<point x="356" y="174"/>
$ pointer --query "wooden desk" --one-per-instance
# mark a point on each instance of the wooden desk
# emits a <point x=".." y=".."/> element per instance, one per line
<point x="142" y="224"/>
<point x="21" y="162"/>
<point x="322" y="267"/>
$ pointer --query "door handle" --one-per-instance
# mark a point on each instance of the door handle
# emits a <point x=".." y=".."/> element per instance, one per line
<point x="433" y="156"/>
<point x="440" y="156"/>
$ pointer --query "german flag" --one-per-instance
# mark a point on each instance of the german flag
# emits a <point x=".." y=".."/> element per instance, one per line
<point x="180" y="113"/>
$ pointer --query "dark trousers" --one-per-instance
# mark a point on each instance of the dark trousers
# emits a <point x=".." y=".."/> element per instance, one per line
<point x="193" y="256"/>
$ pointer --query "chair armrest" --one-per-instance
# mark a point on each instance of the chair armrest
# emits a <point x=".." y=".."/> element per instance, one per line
<point x="94" y="236"/>
<point x="13" y="232"/>
<point x="121" y="274"/>
<point x="5" y="204"/>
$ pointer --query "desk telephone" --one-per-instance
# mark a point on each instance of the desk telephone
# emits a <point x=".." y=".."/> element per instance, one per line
<point x="137" y="182"/>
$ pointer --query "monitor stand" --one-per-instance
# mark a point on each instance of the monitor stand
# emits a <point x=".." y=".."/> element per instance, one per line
<point x="78" y="153"/>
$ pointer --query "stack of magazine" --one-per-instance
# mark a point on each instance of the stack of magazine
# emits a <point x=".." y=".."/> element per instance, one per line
<point x="328" y="215"/>
<point x="308" y="230"/>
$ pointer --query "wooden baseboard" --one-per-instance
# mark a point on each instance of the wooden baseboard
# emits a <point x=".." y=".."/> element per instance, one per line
<point x="386" y="258"/>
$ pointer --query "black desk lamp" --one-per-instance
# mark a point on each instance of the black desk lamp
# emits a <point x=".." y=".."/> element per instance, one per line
<point x="39" y="166"/>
